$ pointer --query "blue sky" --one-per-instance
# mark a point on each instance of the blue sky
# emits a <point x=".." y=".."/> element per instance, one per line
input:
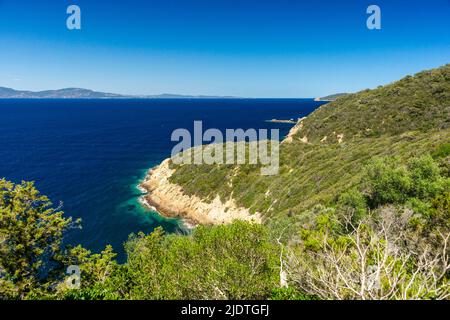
<point x="278" y="48"/>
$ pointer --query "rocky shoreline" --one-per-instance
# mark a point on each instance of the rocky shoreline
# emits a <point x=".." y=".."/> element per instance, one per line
<point x="169" y="200"/>
<point x="291" y="121"/>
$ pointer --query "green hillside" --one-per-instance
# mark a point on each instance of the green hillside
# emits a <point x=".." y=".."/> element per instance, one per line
<point x="420" y="102"/>
<point x="365" y="216"/>
<point x="407" y="118"/>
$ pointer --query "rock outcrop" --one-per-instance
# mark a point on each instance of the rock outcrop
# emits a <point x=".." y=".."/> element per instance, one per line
<point x="169" y="200"/>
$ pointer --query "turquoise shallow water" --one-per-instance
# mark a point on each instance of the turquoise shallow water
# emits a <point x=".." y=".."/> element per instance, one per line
<point x="91" y="154"/>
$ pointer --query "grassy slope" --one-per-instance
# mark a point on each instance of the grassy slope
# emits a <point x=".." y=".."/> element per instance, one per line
<point x="406" y="118"/>
<point x="420" y="102"/>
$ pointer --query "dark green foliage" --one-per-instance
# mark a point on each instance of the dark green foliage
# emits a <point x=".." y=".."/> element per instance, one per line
<point x="387" y="180"/>
<point x="238" y="261"/>
<point x="421" y="186"/>
<point x="354" y="203"/>
<point x="441" y="213"/>
<point x="442" y="151"/>
<point x="31" y="231"/>
<point x="95" y="274"/>
<point x="32" y="261"/>
<point x="223" y="262"/>
<point x="290" y="293"/>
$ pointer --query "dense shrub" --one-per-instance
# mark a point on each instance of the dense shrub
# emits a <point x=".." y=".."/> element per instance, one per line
<point x="381" y="257"/>
<point x="31" y="231"/>
<point x="387" y="180"/>
<point x="390" y="242"/>
<point x="223" y="262"/>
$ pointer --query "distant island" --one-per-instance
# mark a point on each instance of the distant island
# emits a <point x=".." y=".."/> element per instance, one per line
<point x="79" y="93"/>
<point x="331" y="97"/>
<point x="282" y="121"/>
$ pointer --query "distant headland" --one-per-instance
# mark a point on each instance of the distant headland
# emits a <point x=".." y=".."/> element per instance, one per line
<point x="79" y="93"/>
<point x="282" y="121"/>
<point x="331" y="97"/>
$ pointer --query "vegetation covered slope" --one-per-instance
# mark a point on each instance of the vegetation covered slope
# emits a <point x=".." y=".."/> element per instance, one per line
<point x="390" y="241"/>
<point x="383" y="233"/>
<point x="405" y="119"/>
<point x="237" y="261"/>
<point x="415" y="103"/>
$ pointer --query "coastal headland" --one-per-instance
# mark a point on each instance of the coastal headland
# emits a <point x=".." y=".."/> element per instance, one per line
<point x="169" y="200"/>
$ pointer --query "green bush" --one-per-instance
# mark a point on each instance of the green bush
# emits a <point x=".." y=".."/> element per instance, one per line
<point x="237" y="261"/>
<point x="290" y="293"/>
<point x="388" y="180"/>
<point x="353" y="202"/>
<point x="31" y="232"/>
<point x="426" y="178"/>
<point x="442" y="151"/>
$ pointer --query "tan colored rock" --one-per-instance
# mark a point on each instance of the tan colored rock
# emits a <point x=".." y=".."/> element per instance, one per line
<point x="290" y="136"/>
<point x="304" y="139"/>
<point x="169" y="200"/>
<point x="340" y="137"/>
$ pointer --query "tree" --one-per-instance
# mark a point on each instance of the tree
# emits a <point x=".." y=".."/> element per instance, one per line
<point x="388" y="180"/>
<point x="96" y="272"/>
<point x="31" y="231"/>
<point x="236" y="261"/>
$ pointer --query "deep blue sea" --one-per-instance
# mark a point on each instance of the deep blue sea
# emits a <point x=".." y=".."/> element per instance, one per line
<point x="91" y="154"/>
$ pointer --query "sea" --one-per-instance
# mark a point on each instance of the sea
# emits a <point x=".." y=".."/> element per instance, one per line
<point x="90" y="155"/>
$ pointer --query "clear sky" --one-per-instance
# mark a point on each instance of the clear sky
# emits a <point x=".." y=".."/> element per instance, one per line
<point x="248" y="48"/>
